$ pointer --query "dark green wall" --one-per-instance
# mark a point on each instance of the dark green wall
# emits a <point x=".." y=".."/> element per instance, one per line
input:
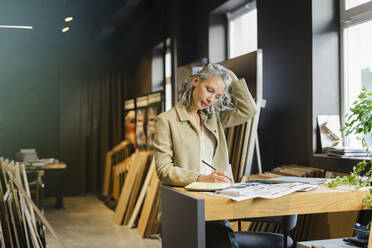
<point x="29" y="96"/>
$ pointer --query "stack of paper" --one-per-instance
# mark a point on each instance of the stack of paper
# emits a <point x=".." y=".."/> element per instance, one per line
<point x="289" y="179"/>
<point x="267" y="191"/>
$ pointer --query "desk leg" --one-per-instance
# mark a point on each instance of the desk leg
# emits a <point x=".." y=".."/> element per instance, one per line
<point x="183" y="220"/>
<point x="60" y="190"/>
<point x="54" y="181"/>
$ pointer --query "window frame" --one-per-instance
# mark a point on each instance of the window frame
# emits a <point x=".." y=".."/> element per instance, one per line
<point x="348" y="18"/>
<point x="233" y="15"/>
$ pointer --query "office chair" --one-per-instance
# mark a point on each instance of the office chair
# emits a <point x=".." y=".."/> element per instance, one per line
<point x="247" y="239"/>
<point x="36" y="185"/>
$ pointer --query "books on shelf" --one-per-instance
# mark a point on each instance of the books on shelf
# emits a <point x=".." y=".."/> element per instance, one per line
<point x="346" y="152"/>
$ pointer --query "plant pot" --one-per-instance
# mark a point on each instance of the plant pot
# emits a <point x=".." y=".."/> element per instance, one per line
<point x="368" y="139"/>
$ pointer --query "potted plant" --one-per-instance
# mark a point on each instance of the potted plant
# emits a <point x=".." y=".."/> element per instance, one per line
<point x="359" y="122"/>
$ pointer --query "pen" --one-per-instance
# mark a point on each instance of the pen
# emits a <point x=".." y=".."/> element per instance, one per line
<point x="213" y="168"/>
<point x="209" y="165"/>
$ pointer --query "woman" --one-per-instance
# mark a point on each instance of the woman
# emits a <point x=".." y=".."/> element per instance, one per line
<point x="193" y="131"/>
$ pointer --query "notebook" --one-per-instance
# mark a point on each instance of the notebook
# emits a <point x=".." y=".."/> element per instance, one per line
<point x="209" y="187"/>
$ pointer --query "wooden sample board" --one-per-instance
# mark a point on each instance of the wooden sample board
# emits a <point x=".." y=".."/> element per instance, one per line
<point x="119" y="172"/>
<point x="150" y="200"/>
<point x="139" y="161"/>
<point x="142" y="195"/>
<point x="140" y="178"/>
<point x="112" y="159"/>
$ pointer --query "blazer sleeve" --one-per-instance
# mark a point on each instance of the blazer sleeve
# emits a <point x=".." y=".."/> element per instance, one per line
<point x="244" y="106"/>
<point x="167" y="171"/>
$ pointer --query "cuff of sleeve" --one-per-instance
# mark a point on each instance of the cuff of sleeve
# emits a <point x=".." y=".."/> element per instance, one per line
<point x="238" y="85"/>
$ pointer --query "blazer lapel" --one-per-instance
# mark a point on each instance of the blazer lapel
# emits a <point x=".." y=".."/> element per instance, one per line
<point x="182" y="113"/>
<point x="184" y="116"/>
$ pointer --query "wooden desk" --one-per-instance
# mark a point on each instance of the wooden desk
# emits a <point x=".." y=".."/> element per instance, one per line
<point x="184" y="213"/>
<point x="53" y="169"/>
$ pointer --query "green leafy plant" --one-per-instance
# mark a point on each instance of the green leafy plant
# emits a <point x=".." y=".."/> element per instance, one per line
<point x="359" y="122"/>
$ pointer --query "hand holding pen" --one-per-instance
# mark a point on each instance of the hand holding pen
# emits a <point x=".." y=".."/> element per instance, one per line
<point x="216" y="176"/>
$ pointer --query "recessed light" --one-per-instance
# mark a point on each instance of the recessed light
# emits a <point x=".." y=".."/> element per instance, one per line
<point x="68" y="19"/>
<point x="17" y="27"/>
<point x="65" y="29"/>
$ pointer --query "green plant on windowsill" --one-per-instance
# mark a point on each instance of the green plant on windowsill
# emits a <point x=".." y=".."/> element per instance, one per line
<point x="359" y="122"/>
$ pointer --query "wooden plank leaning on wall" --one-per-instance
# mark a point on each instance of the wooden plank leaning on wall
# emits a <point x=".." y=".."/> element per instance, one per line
<point x="125" y="149"/>
<point x="129" y="191"/>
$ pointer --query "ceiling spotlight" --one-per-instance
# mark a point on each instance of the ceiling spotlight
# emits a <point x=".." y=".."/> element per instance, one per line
<point x="68" y="19"/>
<point x="17" y="27"/>
<point x="65" y="29"/>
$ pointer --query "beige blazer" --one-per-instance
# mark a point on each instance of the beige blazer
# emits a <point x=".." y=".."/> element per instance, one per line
<point x="177" y="142"/>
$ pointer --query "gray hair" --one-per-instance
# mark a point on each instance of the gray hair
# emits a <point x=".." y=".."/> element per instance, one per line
<point x="211" y="70"/>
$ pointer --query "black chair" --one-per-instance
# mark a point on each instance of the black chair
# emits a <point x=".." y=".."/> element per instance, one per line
<point x="247" y="239"/>
<point x="36" y="185"/>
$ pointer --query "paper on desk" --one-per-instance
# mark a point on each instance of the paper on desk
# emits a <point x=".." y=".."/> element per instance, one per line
<point x="353" y="187"/>
<point x="267" y="191"/>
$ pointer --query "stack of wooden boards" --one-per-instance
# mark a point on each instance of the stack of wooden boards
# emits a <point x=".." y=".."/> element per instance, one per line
<point x="114" y="173"/>
<point x="242" y="142"/>
<point x="20" y="227"/>
<point x="238" y="139"/>
<point x="139" y="196"/>
<point x="312" y="226"/>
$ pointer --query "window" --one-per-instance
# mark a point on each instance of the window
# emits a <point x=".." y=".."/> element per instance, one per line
<point x="168" y="77"/>
<point x="162" y="63"/>
<point x="353" y="3"/>
<point x="242" y="30"/>
<point x="356" y="38"/>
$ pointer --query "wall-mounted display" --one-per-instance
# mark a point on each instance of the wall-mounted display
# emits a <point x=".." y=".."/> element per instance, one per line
<point x="141" y="106"/>
<point x="153" y="109"/>
<point x="129" y="120"/>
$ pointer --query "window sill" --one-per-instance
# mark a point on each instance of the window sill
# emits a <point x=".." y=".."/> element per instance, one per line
<point x="334" y="164"/>
<point x="321" y="155"/>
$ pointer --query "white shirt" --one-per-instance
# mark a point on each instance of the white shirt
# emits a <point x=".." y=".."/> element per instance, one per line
<point x="207" y="146"/>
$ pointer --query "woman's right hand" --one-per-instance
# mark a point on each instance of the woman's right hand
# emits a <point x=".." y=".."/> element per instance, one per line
<point x="215" y="177"/>
<point x="234" y="78"/>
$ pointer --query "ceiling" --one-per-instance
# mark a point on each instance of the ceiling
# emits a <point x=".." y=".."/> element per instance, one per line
<point x="93" y="19"/>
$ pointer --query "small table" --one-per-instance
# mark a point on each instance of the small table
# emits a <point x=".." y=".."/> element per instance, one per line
<point x="54" y="168"/>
